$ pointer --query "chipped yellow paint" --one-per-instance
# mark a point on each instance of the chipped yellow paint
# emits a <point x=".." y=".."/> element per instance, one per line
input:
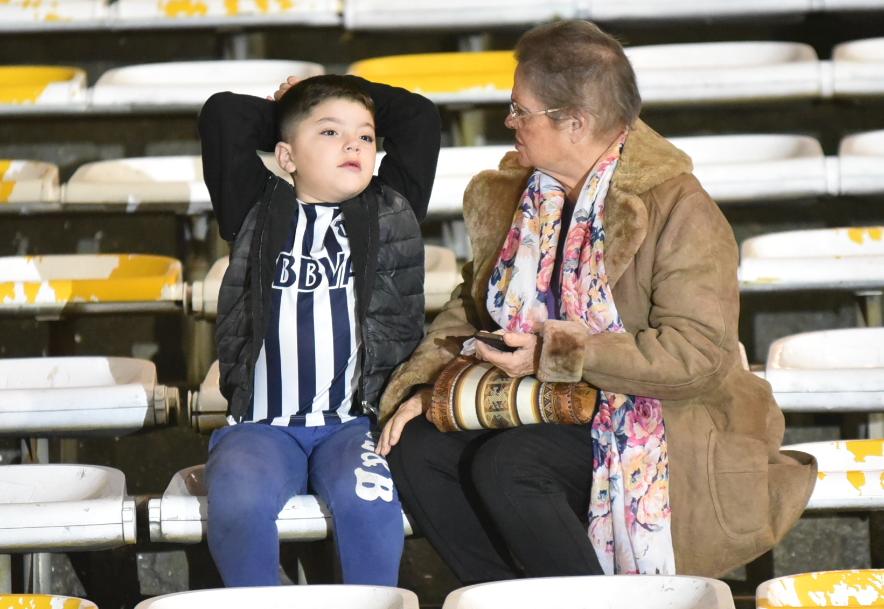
<point x="851" y="589"/>
<point x="6" y="186"/>
<point x="441" y="72"/>
<point x="184" y="8"/>
<point x="263" y="5"/>
<point x="865" y="448"/>
<point x="44" y="601"/>
<point x="25" y="84"/>
<point x="5" y="164"/>
<point x="857" y="479"/>
<point x="136" y="278"/>
<point x="232" y="7"/>
<point x="821" y="475"/>
<point x="858" y="235"/>
<point x="286" y="5"/>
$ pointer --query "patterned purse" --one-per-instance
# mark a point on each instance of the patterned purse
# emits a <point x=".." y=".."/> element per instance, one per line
<point x="472" y="394"/>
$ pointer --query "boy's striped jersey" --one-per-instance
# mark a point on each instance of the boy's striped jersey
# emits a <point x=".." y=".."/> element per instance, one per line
<point x="307" y="370"/>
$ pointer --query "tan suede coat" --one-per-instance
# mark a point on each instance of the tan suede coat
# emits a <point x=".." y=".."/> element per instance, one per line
<point x="671" y="260"/>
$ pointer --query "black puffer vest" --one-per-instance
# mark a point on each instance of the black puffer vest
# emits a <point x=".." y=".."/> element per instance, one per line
<point x="388" y="262"/>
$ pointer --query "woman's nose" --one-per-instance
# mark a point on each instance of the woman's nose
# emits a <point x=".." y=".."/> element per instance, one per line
<point x="509" y="122"/>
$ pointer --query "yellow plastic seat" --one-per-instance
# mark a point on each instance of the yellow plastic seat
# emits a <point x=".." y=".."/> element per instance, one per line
<point x="41" y="84"/>
<point x="852" y="589"/>
<point x="53" y="283"/>
<point x="445" y="77"/>
<point x="44" y="601"/>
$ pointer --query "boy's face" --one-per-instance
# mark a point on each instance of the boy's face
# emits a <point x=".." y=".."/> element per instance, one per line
<point x="331" y="152"/>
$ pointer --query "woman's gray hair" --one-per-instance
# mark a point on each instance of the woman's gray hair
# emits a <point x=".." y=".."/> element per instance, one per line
<point x="574" y="65"/>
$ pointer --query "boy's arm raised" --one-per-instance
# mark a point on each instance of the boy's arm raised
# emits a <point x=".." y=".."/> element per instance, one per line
<point x="232" y="129"/>
<point x="411" y="128"/>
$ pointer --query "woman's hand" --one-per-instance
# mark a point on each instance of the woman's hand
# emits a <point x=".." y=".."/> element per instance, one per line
<point x="290" y="82"/>
<point x="519" y="363"/>
<point x="409" y="409"/>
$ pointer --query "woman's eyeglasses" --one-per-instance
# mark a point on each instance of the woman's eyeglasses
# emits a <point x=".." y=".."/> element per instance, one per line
<point x="517" y="112"/>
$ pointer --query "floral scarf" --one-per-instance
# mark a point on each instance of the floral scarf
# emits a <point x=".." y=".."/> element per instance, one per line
<point x="629" y="513"/>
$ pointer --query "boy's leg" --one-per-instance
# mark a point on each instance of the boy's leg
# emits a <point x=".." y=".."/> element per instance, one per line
<point x="253" y="469"/>
<point x="356" y="485"/>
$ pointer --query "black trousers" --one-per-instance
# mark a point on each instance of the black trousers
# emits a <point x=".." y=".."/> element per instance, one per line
<point x="500" y="504"/>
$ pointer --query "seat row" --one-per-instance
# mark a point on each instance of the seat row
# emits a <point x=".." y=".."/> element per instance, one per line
<point x="783" y="167"/>
<point x="854" y="588"/>
<point x="387" y="14"/>
<point x="707" y="72"/>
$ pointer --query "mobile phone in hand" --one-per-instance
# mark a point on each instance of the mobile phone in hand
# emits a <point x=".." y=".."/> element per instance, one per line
<point x="495" y="341"/>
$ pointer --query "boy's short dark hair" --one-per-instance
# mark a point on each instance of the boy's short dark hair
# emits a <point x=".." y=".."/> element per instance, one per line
<point x="299" y="101"/>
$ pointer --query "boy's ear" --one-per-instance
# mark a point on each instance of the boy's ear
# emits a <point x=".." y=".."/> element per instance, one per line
<point x="284" y="157"/>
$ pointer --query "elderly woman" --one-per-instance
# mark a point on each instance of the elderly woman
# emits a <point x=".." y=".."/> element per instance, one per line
<point x="604" y="261"/>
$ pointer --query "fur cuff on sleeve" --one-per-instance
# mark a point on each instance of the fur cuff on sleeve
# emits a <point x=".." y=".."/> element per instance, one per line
<point x="561" y="356"/>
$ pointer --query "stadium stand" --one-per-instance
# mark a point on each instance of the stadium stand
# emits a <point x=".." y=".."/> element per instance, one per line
<point x="860" y="158"/>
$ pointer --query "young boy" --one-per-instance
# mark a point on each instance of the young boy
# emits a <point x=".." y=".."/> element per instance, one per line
<point x="322" y="299"/>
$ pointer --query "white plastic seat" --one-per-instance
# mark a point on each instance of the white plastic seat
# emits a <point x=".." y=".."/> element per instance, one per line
<point x="67" y="395"/>
<point x="853" y="588"/>
<point x="850" y="474"/>
<point x="441" y="277"/>
<point x="781" y="166"/>
<point x="24" y="181"/>
<point x="313" y="597"/>
<point x="440" y="267"/>
<point x="180" y="515"/>
<point x="163" y="182"/>
<point x="50" y="11"/>
<point x="64" y="508"/>
<point x="831" y="258"/>
<point x="83" y="283"/>
<point x="616" y="592"/>
<point x="42" y="85"/>
<point x="396" y="14"/>
<point x="828" y="371"/>
<point x="858" y="68"/>
<point x="455" y="169"/>
<point x="316" y="12"/>
<point x="609" y="10"/>
<point x="725" y="71"/>
<point x="860" y="158"/>
<point x="193" y="82"/>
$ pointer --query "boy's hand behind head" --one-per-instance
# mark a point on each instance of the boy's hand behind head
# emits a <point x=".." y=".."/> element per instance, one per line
<point x="285" y="86"/>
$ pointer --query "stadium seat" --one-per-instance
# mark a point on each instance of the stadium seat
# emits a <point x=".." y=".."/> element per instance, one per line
<point x="70" y="395"/>
<point x="318" y="12"/>
<point x="27" y="182"/>
<point x="207" y="408"/>
<point x="446" y="78"/>
<point x="44" y="601"/>
<point x="441" y="276"/>
<point x="180" y="515"/>
<point x="43" y="85"/>
<point x="395" y="14"/>
<point x="860" y="158"/>
<point x="828" y="371"/>
<point x="851" y="474"/>
<point x="616" y="10"/>
<point x="312" y="597"/>
<point x="645" y="591"/>
<point x="455" y="169"/>
<point x="858" y="68"/>
<point x="191" y="83"/>
<point x="58" y="285"/>
<point x="725" y="71"/>
<point x="148" y="183"/>
<point x="831" y="258"/>
<point x="851" y="589"/>
<point x="50" y="11"/>
<point x="781" y="166"/>
<point x="64" y="508"/>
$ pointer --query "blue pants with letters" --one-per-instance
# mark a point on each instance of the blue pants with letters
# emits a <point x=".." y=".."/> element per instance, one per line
<point x="254" y="469"/>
